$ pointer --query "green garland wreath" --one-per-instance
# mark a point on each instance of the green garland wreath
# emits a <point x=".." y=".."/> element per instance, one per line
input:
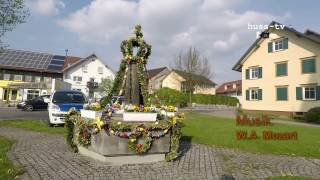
<point x="139" y="148"/>
<point x="143" y="52"/>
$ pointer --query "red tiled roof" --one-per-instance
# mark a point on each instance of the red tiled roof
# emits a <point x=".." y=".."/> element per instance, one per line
<point x="70" y="60"/>
<point x="228" y="87"/>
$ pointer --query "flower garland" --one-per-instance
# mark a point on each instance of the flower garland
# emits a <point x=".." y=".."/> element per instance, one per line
<point x="133" y="141"/>
<point x="146" y="132"/>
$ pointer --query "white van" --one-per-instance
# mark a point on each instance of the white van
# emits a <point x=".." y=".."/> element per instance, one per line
<point x="61" y="101"/>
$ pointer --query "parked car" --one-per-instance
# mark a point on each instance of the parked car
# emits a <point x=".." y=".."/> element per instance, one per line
<point x="37" y="103"/>
<point x="61" y="102"/>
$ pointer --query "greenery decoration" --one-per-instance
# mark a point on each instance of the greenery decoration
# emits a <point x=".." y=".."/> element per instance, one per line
<point x="134" y="143"/>
<point x="70" y="121"/>
<point x="148" y="131"/>
<point x="143" y="52"/>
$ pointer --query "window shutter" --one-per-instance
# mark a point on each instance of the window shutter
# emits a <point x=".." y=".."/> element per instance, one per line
<point x="299" y="93"/>
<point x="270" y="47"/>
<point x="260" y="72"/>
<point x="247" y="74"/>
<point x="282" y="93"/>
<point x="285" y="43"/>
<point x="247" y="95"/>
<point x="318" y="92"/>
<point x="281" y="69"/>
<point x="259" y="94"/>
<point x="309" y="66"/>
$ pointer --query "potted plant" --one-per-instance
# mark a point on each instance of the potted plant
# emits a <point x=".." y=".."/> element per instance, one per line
<point x="169" y="111"/>
<point x="92" y="111"/>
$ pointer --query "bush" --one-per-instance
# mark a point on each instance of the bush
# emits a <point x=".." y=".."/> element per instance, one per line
<point x="313" y="115"/>
<point x="173" y="97"/>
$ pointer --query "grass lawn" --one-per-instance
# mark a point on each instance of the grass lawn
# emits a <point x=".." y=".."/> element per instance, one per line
<point x="221" y="132"/>
<point x="33" y="125"/>
<point x="7" y="169"/>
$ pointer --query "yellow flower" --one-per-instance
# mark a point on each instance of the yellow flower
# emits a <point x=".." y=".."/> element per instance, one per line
<point x="132" y="140"/>
<point x="174" y="120"/>
<point x="146" y="109"/>
<point x="156" y="123"/>
<point x="111" y="131"/>
<point x="119" y="123"/>
<point x="141" y="129"/>
<point x="165" y="131"/>
<point x="99" y="123"/>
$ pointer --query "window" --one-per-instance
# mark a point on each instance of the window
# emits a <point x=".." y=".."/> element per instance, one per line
<point x="281" y="69"/>
<point x="32" y="94"/>
<point x="28" y="78"/>
<point x="47" y="79"/>
<point x="17" y="77"/>
<point x="282" y="93"/>
<point x="309" y="93"/>
<point x="100" y="70"/>
<point x="85" y="68"/>
<point x="253" y="94"/>
<point x="37" y="79"/>
<point x="77" y="78"/>
<point x="278" y="45"/>
<point x="6" y="77"/>
<point x="254" y="73"/>
<point x="308" y="66"/>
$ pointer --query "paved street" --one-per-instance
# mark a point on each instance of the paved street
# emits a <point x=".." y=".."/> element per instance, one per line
<point x="13" y="113"/>
<point x="46" y="156"/>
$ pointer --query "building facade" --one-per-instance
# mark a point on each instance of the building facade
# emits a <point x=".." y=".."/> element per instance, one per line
<point x="81" y="72"/>
<point x="281" y="73"/>
<point x="232" y="88"/>
<point x="175" y="79"/>
<point x="25" y="75"/>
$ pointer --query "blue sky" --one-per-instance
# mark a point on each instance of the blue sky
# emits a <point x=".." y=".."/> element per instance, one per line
<point x="218" y="29"/>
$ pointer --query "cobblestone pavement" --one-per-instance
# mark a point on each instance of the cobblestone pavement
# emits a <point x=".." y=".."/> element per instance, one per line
<point x="45" y="156"/>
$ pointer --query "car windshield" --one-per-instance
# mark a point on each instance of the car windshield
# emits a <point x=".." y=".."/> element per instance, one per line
<point x="68" y="97"/>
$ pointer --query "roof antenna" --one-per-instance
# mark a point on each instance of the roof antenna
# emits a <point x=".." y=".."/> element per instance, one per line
<point x="67" y="50"/>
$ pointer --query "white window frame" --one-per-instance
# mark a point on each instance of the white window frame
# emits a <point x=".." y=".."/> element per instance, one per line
<point x="77" y="78"/>
<point x="17" y="75"/>
<point x="253" y="90"/>
<point x="100" y="70"/>
<point x="277" y="44"/>
<point x="37" y="79"/>
<point x="26" y="78"/>
<point x="304" y="93"/>
<point x="85" y="68"/>
<point x="254" y="73"/>
<point x="6" y="78"/>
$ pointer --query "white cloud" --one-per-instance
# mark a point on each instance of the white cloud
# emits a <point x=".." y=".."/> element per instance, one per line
<point x="169" y="26"/>
<point x="45" y="7"/>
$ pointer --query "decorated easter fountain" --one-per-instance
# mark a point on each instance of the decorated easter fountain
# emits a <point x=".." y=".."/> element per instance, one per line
<point x="146" y="131"/>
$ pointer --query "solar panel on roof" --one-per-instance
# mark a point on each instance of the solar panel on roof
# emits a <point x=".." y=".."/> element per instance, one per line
<point x="53" y="67"/>
<point x="56" y="62"/>
<point x="58" y="57"/>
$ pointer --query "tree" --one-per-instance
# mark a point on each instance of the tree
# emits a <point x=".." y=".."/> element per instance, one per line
<point x="191" y="63"/>
<point x="105" y="86"/>
<point x="12" y="12"/>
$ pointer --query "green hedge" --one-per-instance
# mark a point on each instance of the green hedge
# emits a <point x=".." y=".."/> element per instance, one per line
<point x="169" y="96"/>
<point x="173" y="97"/>
<point x="313" y="115"/>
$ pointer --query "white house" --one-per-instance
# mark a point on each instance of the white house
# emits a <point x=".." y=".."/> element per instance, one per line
<point x="81" y="72"/>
